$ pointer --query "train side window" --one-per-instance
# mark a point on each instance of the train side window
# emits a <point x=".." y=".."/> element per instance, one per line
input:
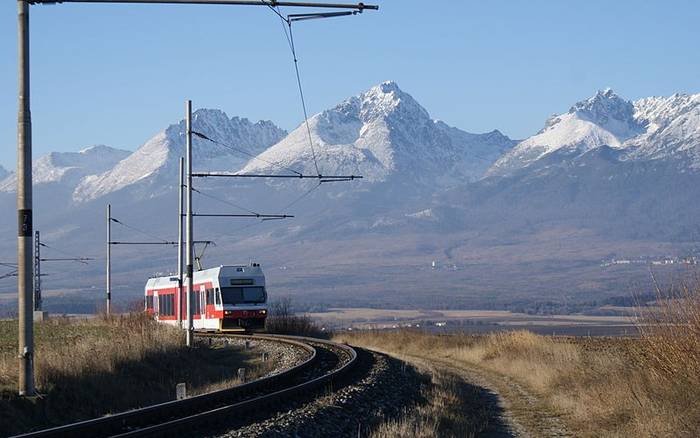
<point x="165" y="305"/>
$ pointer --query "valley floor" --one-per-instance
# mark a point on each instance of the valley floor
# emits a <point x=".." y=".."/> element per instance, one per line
<point x="620" y="323"/>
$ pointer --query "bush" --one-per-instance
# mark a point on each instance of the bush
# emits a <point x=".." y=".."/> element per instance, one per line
<point x="282" y="320"/>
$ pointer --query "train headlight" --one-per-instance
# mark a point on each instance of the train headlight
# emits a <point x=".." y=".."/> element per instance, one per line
<point x="227" y="312"/>
<point x="263" y="312"/>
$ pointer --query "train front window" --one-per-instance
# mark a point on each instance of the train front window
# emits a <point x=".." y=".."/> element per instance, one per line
<point x="243" y="295"/>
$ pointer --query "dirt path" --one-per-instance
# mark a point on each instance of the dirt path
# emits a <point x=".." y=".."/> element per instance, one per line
<point x="516" y="411"/>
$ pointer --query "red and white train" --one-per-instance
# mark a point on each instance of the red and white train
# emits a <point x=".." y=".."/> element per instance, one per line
<point x="225" y="298"/>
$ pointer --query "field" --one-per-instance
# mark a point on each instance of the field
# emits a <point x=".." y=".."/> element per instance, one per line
<point x="647" y="386"/>
<point x="476" y="321"/>
<point x="89" y="367"/>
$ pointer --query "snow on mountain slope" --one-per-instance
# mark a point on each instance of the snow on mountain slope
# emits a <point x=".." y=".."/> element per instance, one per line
<point x="381" y="133"/>
<point x="3" y="173"/>
<point x="159" y="156"/>
<point x="69" y="167"/>
<point x="673" y="128"/>
<point x="604" y="119"/>
<point x="652" y="128"/>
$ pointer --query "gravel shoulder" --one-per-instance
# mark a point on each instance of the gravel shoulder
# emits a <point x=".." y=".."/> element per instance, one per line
<point x="380" y="387"/>
<point x="387" y="390"/>
<point x="282" y="356"/>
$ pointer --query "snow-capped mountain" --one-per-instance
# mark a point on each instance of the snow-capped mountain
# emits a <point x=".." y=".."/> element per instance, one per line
<point x="155" y="163"/>
<point x="604" y="119"/>
<point x="3" y="173"/>
<point x="621" y="168"/>
<point x="649" y="128"/>
<point x="606" y="171"/>
<point x="381" y="134"/>
<point x="68" y="168"/>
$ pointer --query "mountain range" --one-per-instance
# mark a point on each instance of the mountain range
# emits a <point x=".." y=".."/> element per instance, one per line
<point x="609" y="177"/>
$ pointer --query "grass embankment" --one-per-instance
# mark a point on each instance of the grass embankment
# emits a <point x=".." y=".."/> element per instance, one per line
<point x="599" y="387"/>
<point x="88" y="368"/>
<point x="451" y="408"/>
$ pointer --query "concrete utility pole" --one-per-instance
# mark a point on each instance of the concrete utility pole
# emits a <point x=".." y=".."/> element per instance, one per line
<point x="181" y="183"/>
<point x="24" y="166"/>
<point x="109" y="259"/>
<point x="37" y="272"/>
<point x="24" y="209"/>
<point x="188" y="246"/>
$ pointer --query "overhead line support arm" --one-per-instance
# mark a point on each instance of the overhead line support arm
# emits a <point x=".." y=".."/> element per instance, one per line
<point x="235" y="175"/>
<point x="356" y="6"/>
<point x="261" y="216"/>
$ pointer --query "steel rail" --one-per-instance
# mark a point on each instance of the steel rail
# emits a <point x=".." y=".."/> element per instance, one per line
<point x="254" y="404"/>
<point x="141" y="420"/>
<point x="114" y="424"/>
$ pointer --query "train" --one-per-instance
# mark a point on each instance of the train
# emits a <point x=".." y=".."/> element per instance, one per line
<point x="226" y="298"/>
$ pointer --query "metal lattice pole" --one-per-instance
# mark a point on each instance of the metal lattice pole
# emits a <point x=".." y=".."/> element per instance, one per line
<point x="37" y="271"/>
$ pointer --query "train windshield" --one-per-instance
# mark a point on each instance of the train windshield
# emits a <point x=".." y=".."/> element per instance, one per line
<point x="243" y="295"/>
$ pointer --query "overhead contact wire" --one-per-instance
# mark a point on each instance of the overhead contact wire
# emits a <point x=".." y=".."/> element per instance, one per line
<point x="140" y="231"/>
<point x="290" y="40"/>
<point x="256" y="157"/>
<point x="223" y="201"/>
<point x="42" y="244"/>
<point x="301" y="95"/>
<point x="304" y="195"/>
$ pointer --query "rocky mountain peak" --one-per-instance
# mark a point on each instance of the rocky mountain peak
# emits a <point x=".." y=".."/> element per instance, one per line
<point x="384" y="133"/>
<point x="611" y="112"/>
<point x="387" y="100"/>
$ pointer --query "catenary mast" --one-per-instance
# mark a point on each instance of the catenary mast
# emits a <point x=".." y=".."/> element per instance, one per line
<point x="24" y="161"/>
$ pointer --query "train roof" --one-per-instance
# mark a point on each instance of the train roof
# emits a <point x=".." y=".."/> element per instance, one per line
<point x="223" y="271"/>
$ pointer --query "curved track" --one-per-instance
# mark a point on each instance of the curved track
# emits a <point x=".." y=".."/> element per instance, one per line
<point x="327" y="362"/>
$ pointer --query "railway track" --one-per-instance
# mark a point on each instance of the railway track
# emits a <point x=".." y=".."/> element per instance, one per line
<point x="326" y="364"/>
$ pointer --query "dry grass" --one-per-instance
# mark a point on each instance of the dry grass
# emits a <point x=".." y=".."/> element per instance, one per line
<point x="68" y="348"/>
<point x="87" y="368"/>
<point x="447" y="412"/>
<point x="645" y="387"/>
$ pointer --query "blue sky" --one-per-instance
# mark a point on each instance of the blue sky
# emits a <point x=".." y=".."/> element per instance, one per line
<point x="118" y="74"/>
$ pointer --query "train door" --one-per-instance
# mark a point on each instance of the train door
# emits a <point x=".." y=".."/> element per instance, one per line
<point x="202" y="302"/>
<point x="156" y="307"/>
